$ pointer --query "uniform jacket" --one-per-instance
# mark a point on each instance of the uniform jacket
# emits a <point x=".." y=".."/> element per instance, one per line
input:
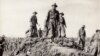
<point x="52" y="15"/>
<point x="33" y="20"/>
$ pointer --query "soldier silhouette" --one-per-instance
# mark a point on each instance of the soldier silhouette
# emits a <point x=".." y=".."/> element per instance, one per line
<point x="82" y="35"/>
<point x="34" y="23"/>
<point x="61" y="26"/>
<point x="52" y="22"/>
<point x="95" y="43"/>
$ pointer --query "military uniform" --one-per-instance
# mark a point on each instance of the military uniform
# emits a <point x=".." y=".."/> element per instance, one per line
<point x="82" y="35"/>
<point x="33" y="26"/>
<point x="95" y="43"/>
<point x="51" y="23"/>
<point x="61" y="27"/>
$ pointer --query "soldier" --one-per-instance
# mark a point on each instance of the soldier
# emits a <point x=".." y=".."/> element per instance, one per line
<point x="33" y="25"/>
<point x="82" y="35"/>
<point x="95" y="43"/>
<point x="2" y="43"/>
<point x="61" y="26"/>
<point x="52" y="21"/>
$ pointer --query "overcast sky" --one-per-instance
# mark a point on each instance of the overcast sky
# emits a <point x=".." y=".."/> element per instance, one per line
<point x="15" y="15"/>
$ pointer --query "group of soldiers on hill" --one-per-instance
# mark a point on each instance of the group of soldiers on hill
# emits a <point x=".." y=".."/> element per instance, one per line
<point x="55" y="27"/>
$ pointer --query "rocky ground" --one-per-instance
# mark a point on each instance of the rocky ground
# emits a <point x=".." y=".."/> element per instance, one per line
<point x="41" y="47"/>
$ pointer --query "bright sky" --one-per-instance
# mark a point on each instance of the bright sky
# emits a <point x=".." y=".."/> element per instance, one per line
<point x="15" y="15"/>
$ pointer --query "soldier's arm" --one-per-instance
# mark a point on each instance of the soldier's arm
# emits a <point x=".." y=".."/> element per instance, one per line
<point x="64" y="22"/>
<point x="47" y="19"/>
<point x="79" y="32"/>
<point x="31" y="18"/>
<point x="48" y="16"/>
<point x="92" y="38"/>
<point x="85" y="33"/>
<point x="58" y="16"/>
<point x="36" y="20"/>
<point x="27" y="31"/>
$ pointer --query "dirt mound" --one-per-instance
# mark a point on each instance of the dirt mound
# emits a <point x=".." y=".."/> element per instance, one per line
<point x="39" y="47"/>
<point x="32" y="47"/>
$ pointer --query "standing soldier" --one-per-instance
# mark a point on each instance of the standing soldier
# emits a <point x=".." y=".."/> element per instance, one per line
<point x="82" y="35"/>
<point x="33" y="25"/>
<point x="95" y="43"/>
<point x="51" y="22"/>
<point x="61" y="26"/>
<point x="2" y="43"/>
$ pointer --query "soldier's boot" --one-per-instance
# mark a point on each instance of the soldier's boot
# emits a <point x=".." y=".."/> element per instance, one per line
<point x="83" y="45"/>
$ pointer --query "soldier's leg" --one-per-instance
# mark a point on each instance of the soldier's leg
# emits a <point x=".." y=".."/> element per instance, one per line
<point x="83" y="44"/>
<point x="46" y="32"/>
<point x="59" y="32"/>
<point x="36" y="31"/>
<point x="99" y="47"/>
<point x="96" y="51"/>
<point x="54" y="32"/>
<point x="80" y="43"/>
<point x="1" y="52"/>
<point x="54" y="27"/>
<point x="49" y="31"/>
<point x="63" y="33"/>
<point x="31" y="31"/>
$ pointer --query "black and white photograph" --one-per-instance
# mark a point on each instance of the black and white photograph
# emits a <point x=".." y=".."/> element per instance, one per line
<point x="49" y="27"/>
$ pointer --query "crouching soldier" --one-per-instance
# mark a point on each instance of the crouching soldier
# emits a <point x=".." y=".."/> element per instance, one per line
<point x="2" y="43"/>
